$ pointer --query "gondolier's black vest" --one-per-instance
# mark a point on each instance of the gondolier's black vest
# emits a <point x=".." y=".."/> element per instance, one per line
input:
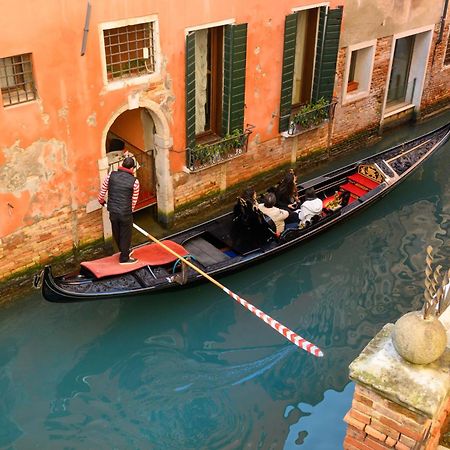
<point x="120" y="192"/>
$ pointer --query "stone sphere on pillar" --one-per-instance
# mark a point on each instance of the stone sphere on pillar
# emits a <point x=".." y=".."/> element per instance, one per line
<point x="419" y="340"/>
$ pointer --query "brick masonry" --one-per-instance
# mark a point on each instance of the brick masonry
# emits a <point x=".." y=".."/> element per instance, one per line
<point x="437" y="92"/>
<point x="40" y="242"/>
<point x="376" y="423"/>
<point x="363" y="114"/>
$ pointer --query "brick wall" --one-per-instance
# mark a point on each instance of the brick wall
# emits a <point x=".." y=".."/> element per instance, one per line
<point x="46" y="239"/>
<point x="260" y="158"/>
<point x="375" y="423"/>
<point x="436" y="93"/>
<point x="364" y="113"/>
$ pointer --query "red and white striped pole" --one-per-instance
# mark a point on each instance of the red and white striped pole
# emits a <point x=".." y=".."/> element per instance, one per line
<point x="286" y="332"/>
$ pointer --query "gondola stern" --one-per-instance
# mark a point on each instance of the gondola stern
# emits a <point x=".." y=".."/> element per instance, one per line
<point x="50" y="290"/>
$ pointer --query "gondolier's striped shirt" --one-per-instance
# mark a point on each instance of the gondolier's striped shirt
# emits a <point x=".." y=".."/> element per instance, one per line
<point x="105" y="185"/>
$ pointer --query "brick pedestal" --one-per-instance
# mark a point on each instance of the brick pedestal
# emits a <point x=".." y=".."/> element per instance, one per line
<point x="396" y="404"/>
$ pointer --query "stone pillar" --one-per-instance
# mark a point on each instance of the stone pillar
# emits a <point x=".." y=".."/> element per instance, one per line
<point x="396" y="404"/>
<point x="164" y="181"/>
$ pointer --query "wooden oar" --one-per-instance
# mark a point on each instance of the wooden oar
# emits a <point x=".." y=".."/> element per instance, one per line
<point x="286" y="332"/>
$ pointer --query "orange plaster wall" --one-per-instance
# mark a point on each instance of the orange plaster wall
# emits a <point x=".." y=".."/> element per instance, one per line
<point x="74" y="107"/>
<point x="18" y="209"/>
<point x="264" y="58"/>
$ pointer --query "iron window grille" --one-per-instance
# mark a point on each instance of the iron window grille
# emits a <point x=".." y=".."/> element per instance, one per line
<point x="311" y="116"/>
<point x="16" y="79"/>
<point x="129" y="51"/>
<point x="206" y="155"/>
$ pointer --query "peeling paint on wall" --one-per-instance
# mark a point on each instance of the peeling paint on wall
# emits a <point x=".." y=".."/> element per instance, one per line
<point x="33" y="183"/>
<point x="63" y="112"/>
<point x="92" y="120"/>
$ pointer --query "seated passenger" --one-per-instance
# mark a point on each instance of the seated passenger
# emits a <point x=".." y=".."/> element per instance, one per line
<point x="287" y="193"/>
<point x="249" y="196"/>
<point x="312" y="206"/>
<point x="287" y="196"/>
<point x="276" y="214"/>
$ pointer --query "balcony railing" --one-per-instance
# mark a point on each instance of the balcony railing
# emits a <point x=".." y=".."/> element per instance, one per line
<point x="311" y="116"/>
<point x="207" y="155"/>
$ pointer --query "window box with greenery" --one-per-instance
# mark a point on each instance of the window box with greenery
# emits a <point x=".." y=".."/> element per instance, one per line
<point x="232" y="145"/>
<point x="311" y="116"/>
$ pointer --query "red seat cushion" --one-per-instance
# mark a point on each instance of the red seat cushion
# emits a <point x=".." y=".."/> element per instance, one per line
<point x="363" y="181"/>
<point x="353" y="189"/>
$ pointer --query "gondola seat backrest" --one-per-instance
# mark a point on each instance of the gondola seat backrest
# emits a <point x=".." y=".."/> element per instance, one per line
<point x="270" y="224"/>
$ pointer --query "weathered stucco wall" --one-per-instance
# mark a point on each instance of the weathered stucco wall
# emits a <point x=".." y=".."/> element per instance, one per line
<point x="365" y="19"/>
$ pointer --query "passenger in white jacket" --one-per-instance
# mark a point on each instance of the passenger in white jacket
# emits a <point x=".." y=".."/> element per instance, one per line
<point x="312" y="206"/>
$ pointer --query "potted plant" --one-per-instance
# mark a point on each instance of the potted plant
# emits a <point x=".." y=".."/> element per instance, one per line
<point x="310" y="115"/>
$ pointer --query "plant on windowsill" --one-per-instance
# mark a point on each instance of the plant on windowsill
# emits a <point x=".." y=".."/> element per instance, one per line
<point x="231" y="145"/>
<point x="309" y="116"/>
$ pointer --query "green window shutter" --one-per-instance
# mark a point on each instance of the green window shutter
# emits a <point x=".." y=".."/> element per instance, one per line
<point x="235" y="56"/>
<point x="326" y="54"/>
<point x="287" y="77"/>
<point x="190" y="89"/>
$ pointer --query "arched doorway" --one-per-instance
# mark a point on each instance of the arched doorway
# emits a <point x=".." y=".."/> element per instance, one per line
<point x="132" y="134"/>
<point x="144" y="126"/>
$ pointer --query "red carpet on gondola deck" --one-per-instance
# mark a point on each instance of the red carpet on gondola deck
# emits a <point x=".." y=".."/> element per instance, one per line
<point x="151" y="254"/>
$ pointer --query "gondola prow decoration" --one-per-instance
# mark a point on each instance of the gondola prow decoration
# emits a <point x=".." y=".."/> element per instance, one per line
<point x="436" y="295"/>
<point x="419" y="336"/>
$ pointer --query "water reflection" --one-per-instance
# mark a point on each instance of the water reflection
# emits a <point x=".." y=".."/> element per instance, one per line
<point x="196" y="371"/>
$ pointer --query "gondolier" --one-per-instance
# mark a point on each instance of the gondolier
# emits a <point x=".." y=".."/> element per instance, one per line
<point x="122" y="188"/>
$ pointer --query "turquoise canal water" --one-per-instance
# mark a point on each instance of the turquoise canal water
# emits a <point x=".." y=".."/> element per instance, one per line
<point x="194" y="370"/>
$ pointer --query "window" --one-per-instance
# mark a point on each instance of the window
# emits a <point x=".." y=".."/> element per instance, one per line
<point x="305" y="49"/>
<point x="129" y="50"/>
<point x="215" y="82"/>
<point x="358" y="73"/>
<point x="401" y="64"/>
<point x="311" y="43"/>
<point x="16" y="79"/>
<point x="447" y="53"/>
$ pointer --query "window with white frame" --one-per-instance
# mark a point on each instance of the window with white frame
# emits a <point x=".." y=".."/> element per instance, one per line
<point x="358" y="74"/>
<point x="16" y="79"/>
<point x="130" y="49"/>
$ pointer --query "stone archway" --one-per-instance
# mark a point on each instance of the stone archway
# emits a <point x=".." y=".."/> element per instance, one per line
<point x="162" y="143"/>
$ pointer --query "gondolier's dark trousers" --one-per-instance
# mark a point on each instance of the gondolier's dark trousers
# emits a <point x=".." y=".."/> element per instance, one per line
<point x="122" y="226"/>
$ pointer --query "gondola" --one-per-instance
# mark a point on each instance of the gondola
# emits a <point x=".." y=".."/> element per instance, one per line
<point x="244" y="236"/>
